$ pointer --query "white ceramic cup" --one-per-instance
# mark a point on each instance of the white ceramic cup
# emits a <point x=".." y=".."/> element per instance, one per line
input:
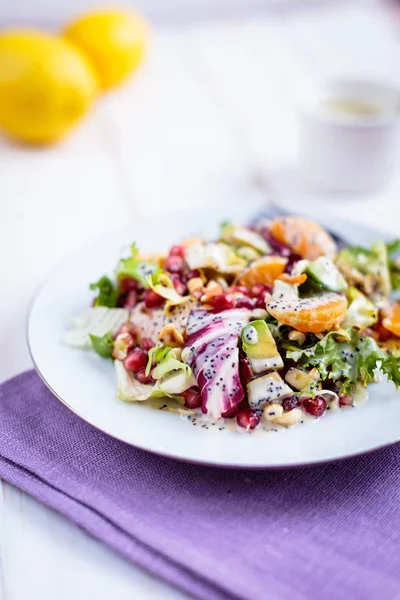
<point x="348" y="136"/>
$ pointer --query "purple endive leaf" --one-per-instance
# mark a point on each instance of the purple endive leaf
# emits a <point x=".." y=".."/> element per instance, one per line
<point x="214" y="357"/>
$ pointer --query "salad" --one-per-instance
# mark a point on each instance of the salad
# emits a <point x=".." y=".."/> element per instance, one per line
<point x="264" y="324"/>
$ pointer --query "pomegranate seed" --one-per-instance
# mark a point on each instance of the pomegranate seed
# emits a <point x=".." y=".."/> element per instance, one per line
<point x="223" y="301"/>
<point x="143" y="378"/>
<point x="246" y="302"/>
<point x="136" y="360"/>
<point x="174" y="264"/>
<point x="315" y="406"/>
<point x="259" y="288"/>
<point x="290" y="403"/>
<point x="242" y="289"/>
<point x="192" y="274"/>
<point x="346" y="400"/>
<point x="230" y="413"/>
<point x="261" y="301"/>
<point x="153" y="300"/>
<point x="192" y="397"/>
<point x="177" y="250"/>
<point x="247" y="418"/>
<point x="179" y="285"/>
<point x="245" y="371"/>
<point x="147" y="344"/>
<point x="131" y="299"/>
<point x="128" y="328"/>
<point x="292" y="260"/>
<point x="127" y="284"/>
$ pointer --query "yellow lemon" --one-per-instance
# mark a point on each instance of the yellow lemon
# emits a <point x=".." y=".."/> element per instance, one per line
<point x="115" y="41"/>
<point x="46" y="85"/>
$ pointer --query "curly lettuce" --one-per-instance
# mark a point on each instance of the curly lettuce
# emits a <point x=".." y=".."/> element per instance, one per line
<point x="108" y="292"/>
<point x="348" y="362"/>
<point x="393" y="250"/>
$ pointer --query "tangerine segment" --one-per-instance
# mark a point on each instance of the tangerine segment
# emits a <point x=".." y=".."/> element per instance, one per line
<point x="263" y="270"/>
<point x="304" y="237"/>
<point x="293" y="279"/>
<point x="310" y="315"/>
<point x="391" y="322"/>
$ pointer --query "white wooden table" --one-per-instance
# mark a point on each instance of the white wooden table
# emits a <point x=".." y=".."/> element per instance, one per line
<point x="208" y="118"/>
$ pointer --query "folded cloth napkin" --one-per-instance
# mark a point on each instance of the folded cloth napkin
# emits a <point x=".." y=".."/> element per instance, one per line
<point x="330" y="531"/>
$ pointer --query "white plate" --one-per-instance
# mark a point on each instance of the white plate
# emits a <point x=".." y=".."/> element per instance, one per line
<point x="86" y="384"/>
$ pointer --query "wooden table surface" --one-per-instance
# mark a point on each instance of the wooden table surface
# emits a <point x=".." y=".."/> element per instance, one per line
<point x="209" y="121"/>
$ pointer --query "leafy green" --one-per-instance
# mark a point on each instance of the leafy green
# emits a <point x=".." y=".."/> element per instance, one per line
<point x="103" y="345"/>
<point x="137" y="269"/>
<point x="156" y="355"/>
<point x="393" y="250"/>
<point x="166" y="359"/>
<point x="171" y="363"/>
<point x="108" y="293"/>
<point x="361" y="312"/>
<point x="223" y="225"/>
<point x="163" y="285"/>
<point x="348" y="362"/>
<point x="371" y="261"/>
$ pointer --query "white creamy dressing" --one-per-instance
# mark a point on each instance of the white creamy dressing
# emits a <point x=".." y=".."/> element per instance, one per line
<point x="198" y="419"/>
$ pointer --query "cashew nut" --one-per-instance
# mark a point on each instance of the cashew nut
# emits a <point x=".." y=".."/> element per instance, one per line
<point x="170" y="336"/>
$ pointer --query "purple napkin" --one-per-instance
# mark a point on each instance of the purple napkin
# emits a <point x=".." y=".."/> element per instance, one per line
<point x="324" y="532"/>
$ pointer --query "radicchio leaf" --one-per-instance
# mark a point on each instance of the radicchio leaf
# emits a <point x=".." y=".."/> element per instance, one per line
<point x="213" y="355"/>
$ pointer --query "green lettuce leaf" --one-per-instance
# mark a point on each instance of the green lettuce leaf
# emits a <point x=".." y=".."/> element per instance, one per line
<point x="162" y="285"/>
<point x="103" y="345"/>
<point x="165" y="359"/>
<point x="371" y="261"/>
<point x="140" y="270"/>
<point x="156" y="355"/>
<point x="393" y="250"/>
<point x="171" y="362"/>
<point x="349" y="362"/>
<point x="108" y="293"/>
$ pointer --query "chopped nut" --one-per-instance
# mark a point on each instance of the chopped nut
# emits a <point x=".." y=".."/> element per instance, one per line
<point x="170" y="336"/>
<point x="122" y="344"/>
<point x="195" y="285"/>
<point x="258" y="313"/>
<point x="213" y="289"/>
<point x="272" y="411"/>
<point x="297" y="336"/>
<point x="290" y="418"/>
<point x="212" y="284"/>
<point x="222" y="282"/>
<point x="343" y="335"/>
<point x="314" y="373"/>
